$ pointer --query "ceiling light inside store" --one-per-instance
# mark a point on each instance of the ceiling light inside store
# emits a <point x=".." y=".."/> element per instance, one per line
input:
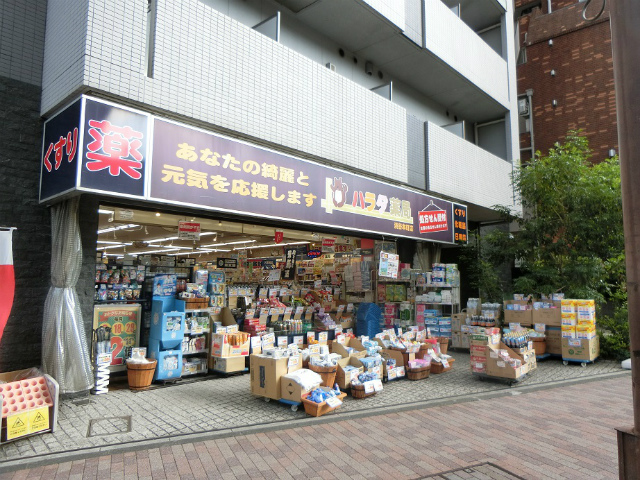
<point x="228" y="243"/>
<point x="157" y="214"/>
<point x="172" y="249"/>
<point x="119" y="245"/>
<point x="271" y="245"/>
<point x="119" y="227"/>
<point x="107" y="242"/>
<point x="106" y="212"/>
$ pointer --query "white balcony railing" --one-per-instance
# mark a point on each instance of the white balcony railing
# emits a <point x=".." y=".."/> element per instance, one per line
<point x="460" y="169"/>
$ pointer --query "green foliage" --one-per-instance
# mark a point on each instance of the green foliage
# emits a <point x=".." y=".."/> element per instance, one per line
<point x="614" y="334"/>
<point x="569" y="238"/>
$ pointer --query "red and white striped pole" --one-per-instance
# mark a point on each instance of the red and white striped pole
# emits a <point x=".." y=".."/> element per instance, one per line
<point x="7" y="277"/>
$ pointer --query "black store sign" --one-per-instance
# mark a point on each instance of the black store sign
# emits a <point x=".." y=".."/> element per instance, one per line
<point x="227" y="263"/>
<point x="460" y="227"/>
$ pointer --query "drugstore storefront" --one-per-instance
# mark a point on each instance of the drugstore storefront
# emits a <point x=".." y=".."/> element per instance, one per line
<point x="202" y="191"/>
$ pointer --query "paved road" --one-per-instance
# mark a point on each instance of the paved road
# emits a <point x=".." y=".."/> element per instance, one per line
<point x="566" y="432"/>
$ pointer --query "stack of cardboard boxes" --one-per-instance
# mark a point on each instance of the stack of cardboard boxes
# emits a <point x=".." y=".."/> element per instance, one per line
<point x="529" y="314"/>
<point x="459" y="331"/>
<point x="579" y="340"/>
<point x="491" y="357"/>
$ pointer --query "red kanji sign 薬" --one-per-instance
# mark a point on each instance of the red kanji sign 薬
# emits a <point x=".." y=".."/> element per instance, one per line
<point x="114" y="148"/>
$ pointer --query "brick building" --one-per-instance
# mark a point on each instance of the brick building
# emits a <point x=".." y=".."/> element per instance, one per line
<point x="565" y="76"/>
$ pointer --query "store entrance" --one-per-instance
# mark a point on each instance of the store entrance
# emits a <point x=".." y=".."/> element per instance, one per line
<point x="222" y="276"/>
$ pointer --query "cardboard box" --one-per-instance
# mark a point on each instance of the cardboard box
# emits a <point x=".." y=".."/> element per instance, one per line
<point x="220" y="346"/>
<point x="568" y="331"/>
<point x="554" y="340"/>
<point x="343" y="380"/>
<point x="548" y="316"/>
<point x="352" y="343"/>
<point x="267" y="372"/>
<point x="523" y="317"/>
<point x="31" y="421"/>
<point x="460" y="340"/>
<point x="479" y="351"/>
<point x="228" y="364"/>
<point x="292" y="390"/>
<point x="496" y="367"/>
<point x="484" y="340"/>
<point x="580" y="349"/>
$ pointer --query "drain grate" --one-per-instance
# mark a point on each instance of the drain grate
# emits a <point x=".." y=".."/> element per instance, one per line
<point x="481" y="471"/>
<point x="109" y="426"/>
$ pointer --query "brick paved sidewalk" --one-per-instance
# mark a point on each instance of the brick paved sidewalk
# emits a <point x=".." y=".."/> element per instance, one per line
<point x="226" y="404"/>
<point x="557" y="433"/>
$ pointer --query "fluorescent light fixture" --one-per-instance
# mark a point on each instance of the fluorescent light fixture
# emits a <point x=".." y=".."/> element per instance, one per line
<point x="172" y="249"/>
<point x="271" y="245"/>
<point x="165" y="239"/>
<point x="114" y="246"/>
<point x="228" y="243"/>
<point x="198" y="252"/>
<point x="119" y="227"/>
<point x="102" y="210"/>
<point x="204" y="234"/>
<point x="107" y="242"/>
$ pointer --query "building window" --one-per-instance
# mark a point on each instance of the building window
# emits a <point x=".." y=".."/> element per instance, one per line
<point x="522" y="56"/>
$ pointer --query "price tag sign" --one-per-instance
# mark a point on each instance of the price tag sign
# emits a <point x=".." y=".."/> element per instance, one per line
<point x="196" y="329"/>
<point x="350" y="307"/>
<point x="232" y="329"/>
<point x="340" y="309"/>
<point x="377" y="385"/>
<point x="314" y="349"/>
<point x="294" y="361"/>
<point x="445" y="363"/>
<point x="392" y="373"/>
<point x="421" y="335"/>
<point x="369" y="387"/>
<point x="341" y="339"/>
<point x="311" y="336"/>
<point x="354" y="375"/>
<point x="400" y="371"/>
<point x="338" y="329"/>
<point x="288" y="311"/>
<point x="220" y="330"/>
<point x="317" y="284"/>
<point x="255" y="342"/>
<point x="299" y="310"/>
<point x="282" y="341"/>
<point x="364" y="338"/>
<point x="493" y="354"/>
<point x="250" y="314"/>
<point x="298" y="340"/>
<point x="539" y="327"/>
<point x="334" y="402"/>
<point x="263" y="292"/>
<point x="323" y="337"/>
<point x="500" y="364"/>
<point x="575" y="342"/>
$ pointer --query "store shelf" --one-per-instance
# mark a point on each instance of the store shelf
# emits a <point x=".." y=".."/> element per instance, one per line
<point x="197" y="310"/>
<point x="184" y="354"/>
<point x="189" y="374"/>
<point x="205" y="330"/>
<point x="431" y="303"/>
<point x="435" y="286"/>
<point x="107" y="302"/>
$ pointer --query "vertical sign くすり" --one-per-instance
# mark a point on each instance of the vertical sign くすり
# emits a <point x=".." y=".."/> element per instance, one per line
<point x="460" y="227"/>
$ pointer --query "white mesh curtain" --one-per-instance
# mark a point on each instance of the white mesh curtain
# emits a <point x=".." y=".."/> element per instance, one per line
<point x="65" y="355"/>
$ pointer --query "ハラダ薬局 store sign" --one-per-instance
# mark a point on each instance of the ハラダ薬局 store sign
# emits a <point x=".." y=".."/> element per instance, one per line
<point x="198" y="168"/>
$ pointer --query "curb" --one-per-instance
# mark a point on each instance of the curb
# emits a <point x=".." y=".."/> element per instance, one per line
<point x="84" y="453"/>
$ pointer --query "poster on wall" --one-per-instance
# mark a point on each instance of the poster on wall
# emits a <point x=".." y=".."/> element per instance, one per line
<point x="123" y="322"/>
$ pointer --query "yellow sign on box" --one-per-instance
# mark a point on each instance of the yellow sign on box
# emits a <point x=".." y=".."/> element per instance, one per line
<point x="17" y="425"/>
<point x="38" y="419"/>
<point x="25" y="423"/>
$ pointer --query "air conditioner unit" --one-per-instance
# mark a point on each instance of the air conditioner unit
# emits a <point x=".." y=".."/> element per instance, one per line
<point x="331" y="67"/>
<point x="523" y="107"/>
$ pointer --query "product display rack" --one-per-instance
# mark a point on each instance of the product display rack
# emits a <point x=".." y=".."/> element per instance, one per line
<point x="196" y="340"/>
